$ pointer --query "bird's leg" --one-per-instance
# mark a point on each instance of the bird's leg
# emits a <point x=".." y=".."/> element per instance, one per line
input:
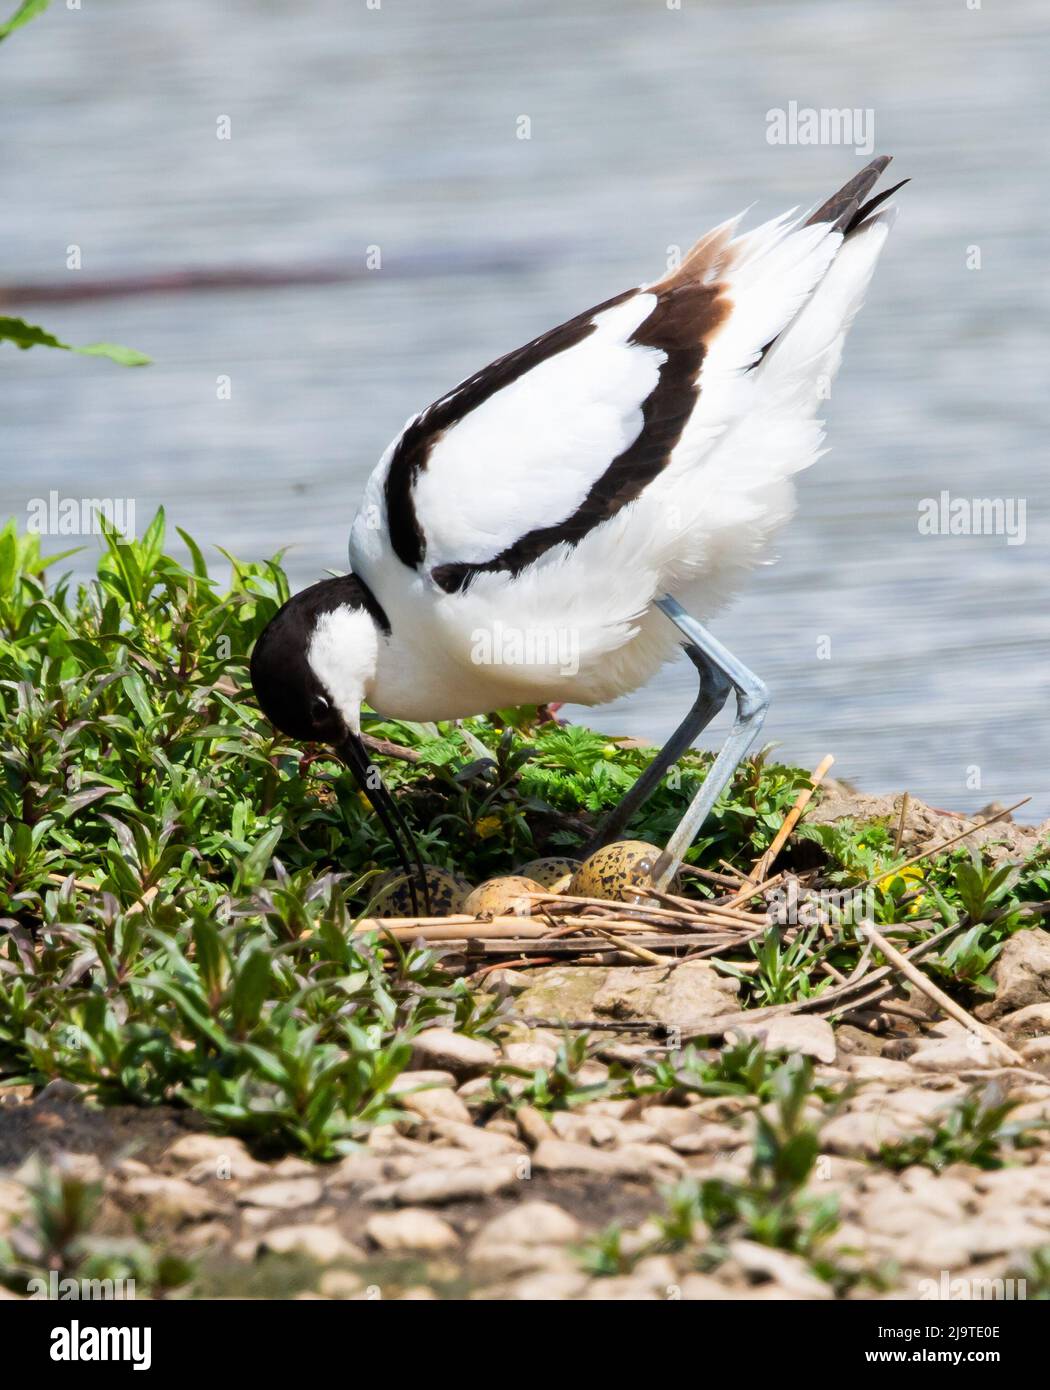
<point x="714" y="690"/>
<point x="752" y="701"/>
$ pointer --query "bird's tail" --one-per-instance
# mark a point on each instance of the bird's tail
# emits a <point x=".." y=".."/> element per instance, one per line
<point x="795" y="286"/>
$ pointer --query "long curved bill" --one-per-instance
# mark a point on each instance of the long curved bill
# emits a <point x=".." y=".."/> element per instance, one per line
<point x="354" y="753"/>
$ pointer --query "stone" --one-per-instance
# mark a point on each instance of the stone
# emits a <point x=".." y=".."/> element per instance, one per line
<point x="1036" y="1052"/>
<point x="531" y="1223"/>
<point x="321" y="1243"/>
<point x="170" y="1199"/>
<point x="1021" y="974"/>
<point x="671" y="1122"/>
<point x="878" y="1068"/>
<point x="60" y="1089"/>
<point x="961" y="1054"/>
<point x="455" y="1052"/>
<point x="704" y="1287"/>
<point x="856" y="1042"/>
<point x="417" y="1080"/>
<point x="548" y="1286"/>
<point x="811" y="1037"/>
<point x="532" y="1126"/>
<point x="84" y="1168"/>
<point x="631" y="1161"/>
<point x="440" y="1103"/>
<point x="862" y="1133"/>
<point x="1033" y="1021"/>
<point x="708" y="1139"/>
<point x="485" y="1143"/>
<point x="492" y="1259"/>
<point x="286" y="1194"/>
<point x="689" y="993"/>
<point x="435" y="1186"/>
<point x="357" y="1169"/>
<point x="340" y="1283"/>
<point x="620" y="1288"/>
<point x="603" y="1131"/>
<point x="215" y="1156"/>
<point x="411" y="1228"/>
<point x="530" y="1056"/>
<point x="788" y="1271"/>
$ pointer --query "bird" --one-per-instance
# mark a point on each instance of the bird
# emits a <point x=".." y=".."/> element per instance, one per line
<point x="559" y="524"/>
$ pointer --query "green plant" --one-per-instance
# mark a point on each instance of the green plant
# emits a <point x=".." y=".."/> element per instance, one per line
<point x="59" y="1241"/>
<point x="976" y="1130"/>
<point x="743" y="1068"/>
<point x="558" y="1087"/>
<point x="772" y="1206"/>
<point x="784" y="968"/>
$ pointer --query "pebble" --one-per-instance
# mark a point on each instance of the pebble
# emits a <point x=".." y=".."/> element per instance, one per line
<point x="437" y="1186"/>
<point x="171" y="1199"/>
<point x="288" y="1194"/>
<point x="454" y="1052"/>
<point x="321" y="1243"/>
<point x="438" y="1104"/>
<point x="410" y="1229"/>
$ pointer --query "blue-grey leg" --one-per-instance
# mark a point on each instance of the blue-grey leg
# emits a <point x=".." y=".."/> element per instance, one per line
<point x="714" y="691"/>
<point x="752" y="701"/>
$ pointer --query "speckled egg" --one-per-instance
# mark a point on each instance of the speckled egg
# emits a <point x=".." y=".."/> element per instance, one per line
<point x="448" y="893"/>
<point x="547" y="872"/>
<point x="500" y="896"/>
<point x="617" y="871"/>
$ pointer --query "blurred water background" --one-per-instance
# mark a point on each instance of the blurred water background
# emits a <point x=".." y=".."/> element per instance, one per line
<point x="397" y="127"/>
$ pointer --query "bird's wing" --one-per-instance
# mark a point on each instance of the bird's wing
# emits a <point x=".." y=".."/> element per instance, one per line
<point x="543" y="447"/>
<point x="544" y="443"/>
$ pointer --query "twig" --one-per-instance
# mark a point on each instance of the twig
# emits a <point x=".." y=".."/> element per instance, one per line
<point x="905" y="802"/>
<point x="390" y="749"/>
<point x="724" y="880"/>
<point x="926" y="986"/>
<point x="632" y="950"/>
<point x="765" y="861"/>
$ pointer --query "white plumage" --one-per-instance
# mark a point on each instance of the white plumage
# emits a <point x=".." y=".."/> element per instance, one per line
<point x="527" y="456"/>
<point x="557" y="524"/>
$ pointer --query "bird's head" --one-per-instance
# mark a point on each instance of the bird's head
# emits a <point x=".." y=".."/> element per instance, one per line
<point x="313" y="664"/>
<point x="311" y="670"/>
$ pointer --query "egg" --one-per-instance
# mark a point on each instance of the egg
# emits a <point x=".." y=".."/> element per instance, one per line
<point x="498" y="896"/>
<point x="448" y="892"/>
<point x="616" y="872"/>
<point x="550" y="871"/>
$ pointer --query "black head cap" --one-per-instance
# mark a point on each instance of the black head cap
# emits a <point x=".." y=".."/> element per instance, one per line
<point x="289" y="691"/>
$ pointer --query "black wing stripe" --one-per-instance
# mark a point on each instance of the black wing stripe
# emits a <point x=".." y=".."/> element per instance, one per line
<point x="414" y="447"/>
<point x="682" y="319"/>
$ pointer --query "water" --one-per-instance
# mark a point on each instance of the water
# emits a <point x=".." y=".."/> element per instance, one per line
<point x="397" y="128"/>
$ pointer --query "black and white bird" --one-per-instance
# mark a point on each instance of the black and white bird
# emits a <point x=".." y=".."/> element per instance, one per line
<point x="555" y="526"/>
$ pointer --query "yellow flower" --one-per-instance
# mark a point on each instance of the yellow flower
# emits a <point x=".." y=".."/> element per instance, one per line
<point x="911" y="874"/>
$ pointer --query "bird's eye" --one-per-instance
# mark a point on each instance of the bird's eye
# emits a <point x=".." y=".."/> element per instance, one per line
<point x="318" y="708"/>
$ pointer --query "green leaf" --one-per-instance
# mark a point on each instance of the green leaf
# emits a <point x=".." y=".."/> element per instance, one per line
<point x="29" y="9"/>
<point x="26" y="335"/>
